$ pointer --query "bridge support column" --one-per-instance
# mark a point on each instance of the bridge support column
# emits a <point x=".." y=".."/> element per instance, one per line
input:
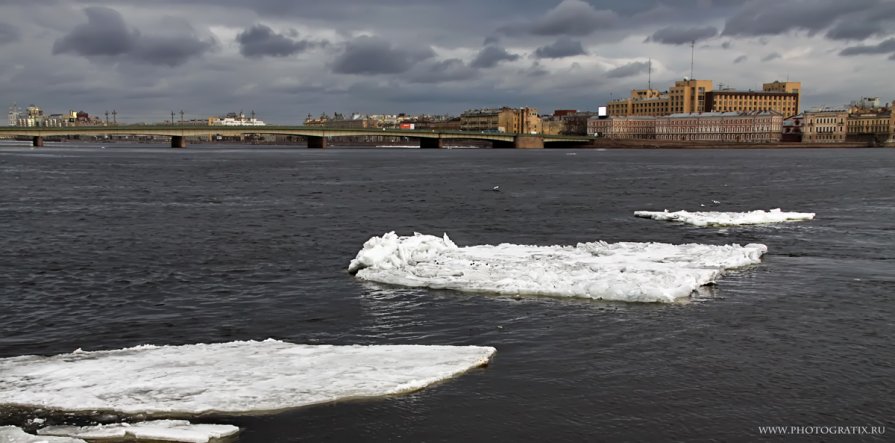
<point x="430" y="143"/>
<point x="520" y="142"/>
<point x="528" y="142"/>
<point x="37" y="141"/>
<point x="316" y="142"/>
<point x="178" y="141"/>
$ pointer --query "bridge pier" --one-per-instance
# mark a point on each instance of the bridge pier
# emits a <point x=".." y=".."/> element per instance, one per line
<point x="430" y="143"/>
<point x="178" y="141"/>
<point x="520" y="142"/>
<point x="528" y="142"/>
<point x="316" y="142"/>
<point x="37" y="141"/>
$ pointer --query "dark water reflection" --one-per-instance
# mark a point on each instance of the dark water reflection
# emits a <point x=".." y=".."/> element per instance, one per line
<point x="112" y="248"/>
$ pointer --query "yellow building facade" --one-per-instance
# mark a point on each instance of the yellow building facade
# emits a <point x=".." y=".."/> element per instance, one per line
<point x="828" y="126"/>
<point x="695" y="96"/>
<point x="785" y="103"/>
<point x="513" y="120"/>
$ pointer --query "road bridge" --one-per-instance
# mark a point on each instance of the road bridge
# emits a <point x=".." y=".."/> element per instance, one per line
<point x="317" y="137"/>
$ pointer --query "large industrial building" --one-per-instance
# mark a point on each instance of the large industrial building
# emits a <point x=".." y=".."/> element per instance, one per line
<point x="694" y="96"/>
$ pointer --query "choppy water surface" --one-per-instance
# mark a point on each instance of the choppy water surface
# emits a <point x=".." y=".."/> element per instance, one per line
<point x="117" y="247"/>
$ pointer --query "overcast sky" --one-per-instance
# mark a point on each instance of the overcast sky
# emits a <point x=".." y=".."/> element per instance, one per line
<point x="287" y="58"/>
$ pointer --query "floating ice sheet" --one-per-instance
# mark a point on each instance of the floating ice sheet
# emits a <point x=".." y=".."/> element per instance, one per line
<point x="156" y="430"/>
<point x="14" y="434"/>
<point x="636" y="272"/>
<point x="727" y="218"/>
<point x="235" y="377"/>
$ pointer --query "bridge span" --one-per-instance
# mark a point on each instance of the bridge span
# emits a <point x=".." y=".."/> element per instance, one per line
<point x="317" y="137"/>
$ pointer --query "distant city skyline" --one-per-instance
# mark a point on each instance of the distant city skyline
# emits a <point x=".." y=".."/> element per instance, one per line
<point x="286" y="59"/>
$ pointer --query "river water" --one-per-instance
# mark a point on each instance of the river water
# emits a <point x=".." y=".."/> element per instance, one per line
<point x="105" y="248"/>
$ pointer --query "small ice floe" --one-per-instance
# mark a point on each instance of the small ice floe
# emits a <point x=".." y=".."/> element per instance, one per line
<point x="235" y="377"/>
<point x="634" y="272"/>
<point x="15" y="434"/>
<point x="156" y="430"/>
<point x="727" y="218"/>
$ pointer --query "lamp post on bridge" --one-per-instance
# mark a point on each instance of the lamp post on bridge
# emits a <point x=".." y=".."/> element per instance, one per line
<point x="172" y="118"/>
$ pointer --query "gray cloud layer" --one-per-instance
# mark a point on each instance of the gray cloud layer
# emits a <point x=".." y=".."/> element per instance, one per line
<point x="8" y="33"/>
<point x="372" y="55"/>
<point x="491" y="55"/>
<point x="629" y="70"/>
<point x="421" y="56"/>
<point x="677" y="36"/>
<point x="882" y="47"/>
<point x="571" y="17"/>
<point x="563" y="47"/>
<point x="853" y="19"/>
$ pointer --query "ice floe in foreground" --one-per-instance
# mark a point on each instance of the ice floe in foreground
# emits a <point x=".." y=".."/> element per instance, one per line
<point x="14" y="434"/>
<point x="727" y="218"/>
<point x="248" y="376"/>
<point x="156" y="430"/>
<point x="635" y="272"/>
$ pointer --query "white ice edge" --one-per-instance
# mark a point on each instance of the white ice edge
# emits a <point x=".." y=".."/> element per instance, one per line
<point x="634" y="272"/>
<point x="157" y="430"/>
<point x="235" y="377"/>
<point x="727" y="218"/>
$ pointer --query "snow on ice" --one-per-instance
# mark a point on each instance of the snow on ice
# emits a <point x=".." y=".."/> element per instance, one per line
<point x="727" y="218"/>
<point x="247" y="376"/>
<point x="635" y="272"/>
<point x="156" y="430"/>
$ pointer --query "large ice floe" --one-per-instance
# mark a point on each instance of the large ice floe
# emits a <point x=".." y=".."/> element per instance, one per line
<point x="155" y="430"/>
<point x="634" y="272"/>
<point x="727" y="218"/>
<point x="14" y="434"/>
<point x="235" y="377"/>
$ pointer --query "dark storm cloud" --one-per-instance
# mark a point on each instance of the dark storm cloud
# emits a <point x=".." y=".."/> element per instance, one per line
<point x="170" y="50"/>
<point x="771" y="56"/>
<point x="740" y="59"/>
<point x="373" y="55"/>
<point x="564" y="47"/>
<point x="260" y="40"/>
<point x="571" y="17"/>
<point x="107" y="35"/>
<point x="8" y="33"/>
<point x="449" y="70"/>
<point x="677" y="36"/>
<point x="772" y="18"/>
<point x="883" y="47"/>
<point x="491" y="55"/>
<point x="628" y="70"/>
